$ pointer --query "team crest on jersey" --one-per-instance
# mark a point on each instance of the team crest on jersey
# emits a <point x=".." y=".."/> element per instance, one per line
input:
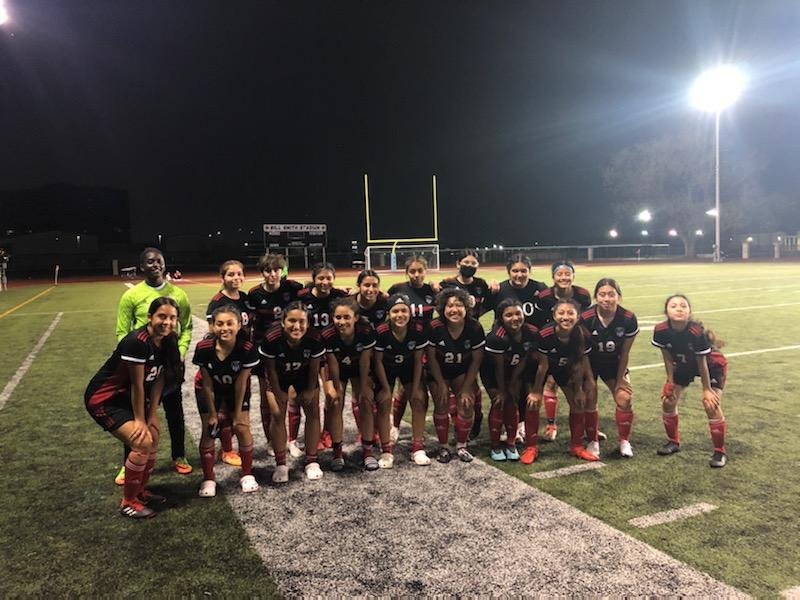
<point x="236" y="365"/>
<point x="429" y="299"/>
<point x="467" y="344"/>
<point x="479" y="291"/>
<point x="691" y="347"/>
<point x="306" y="353"/>
<point x="263" y="301"/>
<point x="380" y="315"/>
<point x="412" y="344"/>
<point x="152" y="357"/>
<point x="359" y="347"/>
<point x="620" y="331"/>
<point x="527" y="346"/>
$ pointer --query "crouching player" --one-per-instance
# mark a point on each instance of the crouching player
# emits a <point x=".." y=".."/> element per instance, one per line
<point x="690" y="350"/>
<point x="222" y="389"/>
<point x="124" y="394"/>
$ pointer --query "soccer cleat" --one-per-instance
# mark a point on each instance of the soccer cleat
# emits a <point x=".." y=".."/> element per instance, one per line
<point x="550" y="432"/>
<point x="270" y="450"/>
<point x="520" y="433"/>
<point x="135" y="510"/>
<point x="601" y="436"/>
<point x="208" y="489"/>
<point x="337" y="464"/>
<point x="230" y="458"/>
<point x="420" y="458"/>
<point x="669" y="448"/>
<point x="148" y="498"/>
<point x="394" y="434"/>
<point x="371" y="463"/>
<point x="529" y="455"/>
<point x="280" y="474"/>
<point x="625" y="449"/>
<point x="593" y="448"/>
<point x="294" y="449"/>
<point x="443" y="455"/>
<point x="313" y="472"/>
<point x="497" y="454"/>
<point x="248" y="483"/>
<point x="182" y="465"/>
<point x="582" y="453"/>
<point x="476" y="427"/>
<point x="511" y="453"/>
<point x="386" y="460"/>
<point x="718" y="460"/>
<point x="120" y="478"/>
<point x="464" y="455"/>
<point x="503" y="436"/>
<point x="325" y="441"/>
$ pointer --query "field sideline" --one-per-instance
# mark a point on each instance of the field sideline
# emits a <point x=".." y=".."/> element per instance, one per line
<point x="60" y="508"/>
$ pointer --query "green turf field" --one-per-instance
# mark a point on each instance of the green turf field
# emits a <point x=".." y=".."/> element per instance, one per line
<point x="57" y="505"/>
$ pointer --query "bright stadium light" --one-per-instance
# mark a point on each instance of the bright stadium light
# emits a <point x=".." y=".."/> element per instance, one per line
<point x="613" y="233"/>
<point x="673" y="232"/>
<point x="3" y="13"/>
<point x="644" y="216"/>
<point x="645" y="233"/>
<point x="714" y="91"/>
<point x="699" y="232"/>
<point x="749" y="238"/>
<point x="711" y="212"/>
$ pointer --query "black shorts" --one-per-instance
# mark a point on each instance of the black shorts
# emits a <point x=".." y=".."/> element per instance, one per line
<point x="562" y="377"/>
<point x="112" y="413"/>
<point x="405" y="376"/>
<point x="220" y="401"/>
<point x="607" y="371"/>
<point x="299" y="383"/>
<point x="684" y="373"/>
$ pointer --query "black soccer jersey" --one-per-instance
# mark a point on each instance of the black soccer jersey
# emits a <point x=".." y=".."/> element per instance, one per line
<point x="543" y="311"/>
<point x="244" y="306"/>
<point x="423" y="299"/>
<point x="269" y="306"/>
<point x="684" y="345"/>
<point x="113" y="377"/>
<point x="478" y="290"/>
<point x="607" y="342"/>
<point x="526" y="295"/>
<point x="375" y="314"/>
<point x="455" y="355"/>
<point x="398" y="354"/>
<point x="291" y="363"/>
<point x="501" y="342"/>
<point x="559" y="359"/>
<point x="348" y="355"/>
<point x="319" y="308"/>
<point x="224" y="372"/>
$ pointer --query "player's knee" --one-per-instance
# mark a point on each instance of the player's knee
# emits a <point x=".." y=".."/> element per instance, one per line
<point x="623" y="398"/>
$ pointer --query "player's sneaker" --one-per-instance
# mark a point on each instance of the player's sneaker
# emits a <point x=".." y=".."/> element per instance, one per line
<point x="669" y="448"/>
<point x="529" y="455"/>
<point x="208" y="489"/>
<point x="511" y="453"/>
<point x="386" y="460"/>
<point x="280" y="474"/>
<point x="294" y="449"/>
<point x="718" y="460"/>
<point x="420" y="458"/>
<point x="182" y="465"/>
<point x="464" y="455"/>
<point x="593" y="448"/>
<point x="313" y="472"/>
<point x="135" y="510"/>
<point x="625" y="449"/>
<point x="497" y="454"/>
<point x="371" y="463"/>
<point x="550" y="432"/>
<point x="230" y="458"/>
<point x="520" y="434"/>
<point x="325" y="441"/>
<point x="148" y="498"/>
<point x="394" y="434"/>
<point x="337" y="464"/>
<point x="249" y="484"/>
<point x="120" y="478"/>
<point x="443" y="455"/>
<point x="582" y="453"/>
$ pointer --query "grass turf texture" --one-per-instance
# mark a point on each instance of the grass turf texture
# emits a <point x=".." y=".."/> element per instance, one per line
<point x="64" y="536"/>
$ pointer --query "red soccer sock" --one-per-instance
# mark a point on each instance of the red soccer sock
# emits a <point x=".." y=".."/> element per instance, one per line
<point x="531" y="427"/>
<point x="624" y="419"/>
<point x="671" y="426"/>
<point x="226" y="438"/>
<point x="495" y="424"/>
<point x="463" y="427"/>
<point x="452" y="405"/>
<point x="356" y="412"/>
<point x="718" y="428"/>
<point x="417" y="444"/>
<point x="442" y="425"/>
<point x="337" y="449"/>
<point x="386" y="447"/>
<point x="207" y="460"/>
<point x="398" y="409"/>
<point x="148" y="471"/>
<point x="550" y="405"/>
<point x="246" y="452"/>
<point x="590" y="422"/>
<point x="366" y="450"/>
<point x="511" y="421"/>
<point x="311" y="458"/>
<point x="134" y="473"/>
<point x="280" y="457"/>
<point x="577" y="425"/>
<point x="294" y="421"/>
<point x="266" y="418"/>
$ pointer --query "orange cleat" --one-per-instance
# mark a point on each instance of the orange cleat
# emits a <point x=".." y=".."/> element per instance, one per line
<point x="230" y="458"/>
<point x="182" y="465"/>
<point x="583" y="453"/>
<point x="550" y="433"/>
<point x="325" y="441"/>
<point x="529" y="455"/>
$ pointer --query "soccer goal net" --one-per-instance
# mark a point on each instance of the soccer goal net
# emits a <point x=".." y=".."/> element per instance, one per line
<point x="393" y="258"/>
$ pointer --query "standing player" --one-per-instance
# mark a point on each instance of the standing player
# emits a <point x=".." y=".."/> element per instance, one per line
<point x="689" y="350"/>
<point x="398" y="356"/>
<point x="565" y="347"/>
<point x="293" y="351"/>
<point x="562" y="289"/>
<point x="268" y="299"/>
<point x="349" y="343"/>
<point x="612" y="330"/>
<point x="372" y="306"/>
<point x="454" y="358"/>
<point x="122" y="398"/>
<point x="132" y="313"/>
<point x="222" y="390"/>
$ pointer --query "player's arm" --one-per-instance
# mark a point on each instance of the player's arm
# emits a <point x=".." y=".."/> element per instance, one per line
<point x="155" y="398"/>
<point x="313" y="373"/>
<point x="125" y="316"/>
<point x="622" y="367"/>
<point x="334" y="384"/>
<point x="239" y="389"/>
<point x="669" y="367"/>
<point x="380" y="371"/>
<point x="416" y="373"/>
<point x="364" y="362"/>
<point x="136" y="373"/>
<point x="208" y="395"/>
<point x="710" y="396"/>
<point x="500" y="376"/>
<point x="185" y="311"/>
<point x="472" y="371"/>
<point x="433" y="365"/>
<point x="274" y="380"/>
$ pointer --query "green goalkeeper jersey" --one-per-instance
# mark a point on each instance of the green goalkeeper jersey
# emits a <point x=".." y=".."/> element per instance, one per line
<point x="132" y="310"/>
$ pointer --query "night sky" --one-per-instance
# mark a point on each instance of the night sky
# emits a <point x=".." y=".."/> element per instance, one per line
<point x="220" y="115"/>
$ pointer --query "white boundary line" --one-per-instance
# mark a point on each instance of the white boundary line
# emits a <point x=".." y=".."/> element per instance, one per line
<point x="791" y="593"/>
<point x="716" y="291"/>
<point x="580" y="468"/>
<point x="26" y="364"/>
<point x="779" y="349"/>
<point x="668" y="516"/>
<point x="718" y="310"/>
<point x="129" y="285"/>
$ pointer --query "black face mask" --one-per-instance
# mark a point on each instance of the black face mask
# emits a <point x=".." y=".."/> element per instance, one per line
<point x="467" y="270"/>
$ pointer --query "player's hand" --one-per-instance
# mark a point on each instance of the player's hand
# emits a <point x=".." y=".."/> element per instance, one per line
<point x="668" y="391"/>
<point x="710" y="399"/>
<point x="154" y="423"/>
<point x="533" y="401"/>
<point x="140" y="432"/>
<point x="623" y="386"/>
<point x="494" y="286"/>
<point x="498" y="400"/>
<point x="436" y="287"/>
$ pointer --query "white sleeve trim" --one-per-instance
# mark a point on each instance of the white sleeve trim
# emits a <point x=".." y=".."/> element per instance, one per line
<point x="380" y="348"/>
<point x="372" y="345"/>
<point x="318" y="354"/>
<point x="132" y="359"/>
<point x="701" y="352"/>
<point x="427" y="343"/>
<point x="250" y="365"/>
<point x="262" y="353"/>
<point x="481" y="345"/>
<point x="494" y="350"/>
<point x="656" y="344"/>
<point x="632" y="333"/>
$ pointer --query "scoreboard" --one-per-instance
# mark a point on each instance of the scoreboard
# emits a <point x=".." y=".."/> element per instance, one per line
<point x="296" y="236"/>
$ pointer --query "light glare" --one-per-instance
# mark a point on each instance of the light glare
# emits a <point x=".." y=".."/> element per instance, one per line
<point x="644" y="232"/>
<point x="3" y="13"/>
<point x="699" y="232"/>
<point x="673" y="232"/>
<point x="716" y="89"/>
<point x="613" y="233"/>
<point x="644" y="216"/>
<point x="711" y="212"/>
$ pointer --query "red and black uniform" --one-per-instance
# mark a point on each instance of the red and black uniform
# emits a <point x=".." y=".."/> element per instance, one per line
<point x="244" y="306"/>
<point x="561" y="362"/>
<point x="684" y="346"/>
<point x="455" y="355"/>
<point x="607" y="342"/>
<point x="423" y="299"/>
<point x="108" y="395"/>
<point x="223" y="373"/>
<point x="348" y="356"/>
<point x="526" y="295"/>
<point x="543" y="310"/>
<point x="268" y="306"/>
<point x="292" y="363"/>
<point x="376" y="314"/>
<point x="398" y="354"/>
<point x="320" y="314"/>
<point x="478" y="290"/>
<point x="500" y="341"/>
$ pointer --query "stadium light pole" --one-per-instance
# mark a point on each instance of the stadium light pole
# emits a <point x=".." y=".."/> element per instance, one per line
<point x="714" y="91"/>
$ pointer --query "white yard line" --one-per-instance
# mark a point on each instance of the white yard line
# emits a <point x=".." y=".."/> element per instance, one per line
<point x="64" y="312"/>
<point x="26" y="364"/>
<point x="675" y="514"/>
<point x="731" y="355"/>
<point x="762" y="290"/>
<point x="580" y="468"/>
<point x="719" y="310"/>
<point x="791" y="593"/>
<point x="129" y="285"/>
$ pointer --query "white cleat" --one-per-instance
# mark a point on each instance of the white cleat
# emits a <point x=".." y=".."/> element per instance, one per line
<point x="394" y="434"/>
<point x="294" y="449"/>
<point x="593" y="448"/>
<point x="280" y="474"/>
<point x="248" y="483"/>
<point x="520" y="433"/>
<point x="625" y="449"/>
<point x="386" y="460"/>
<point x="313" y="472"/>
<point x="420" y="458"/>
<point x="270" y="450"/>
<point x="208" y="489"/>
